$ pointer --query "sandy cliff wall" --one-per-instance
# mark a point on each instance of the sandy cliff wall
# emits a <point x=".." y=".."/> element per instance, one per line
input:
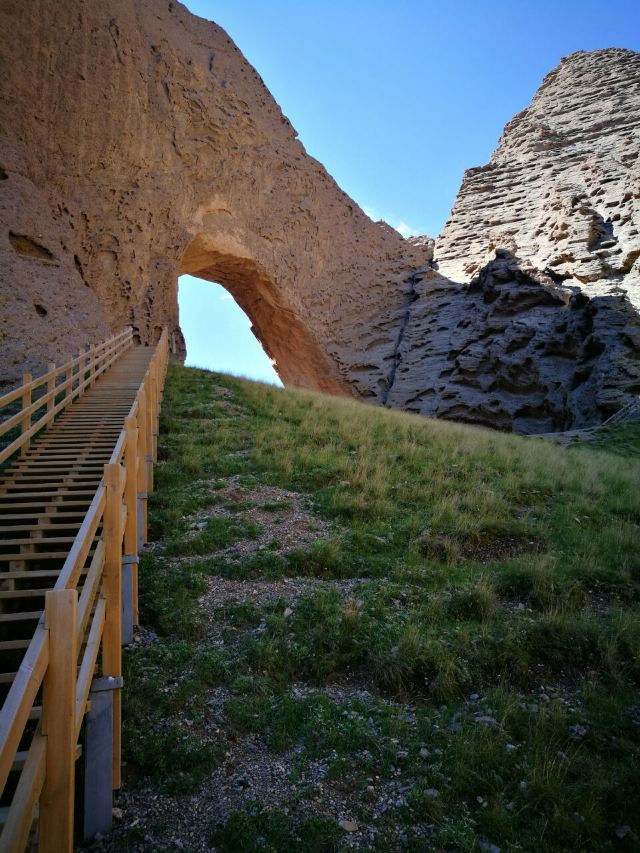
<point x="546" y="334"/>
<point x="136" y="144"/>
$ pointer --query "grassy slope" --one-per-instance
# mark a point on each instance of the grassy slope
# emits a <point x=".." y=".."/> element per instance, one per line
<point x="493" y="621"/>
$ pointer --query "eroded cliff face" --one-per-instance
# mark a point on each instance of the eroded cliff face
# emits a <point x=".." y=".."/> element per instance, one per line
<point x="516" y="351"/>
<point x="542" y="332"/>
<point x="137" y="144"/>
<point x="562" y="191"/>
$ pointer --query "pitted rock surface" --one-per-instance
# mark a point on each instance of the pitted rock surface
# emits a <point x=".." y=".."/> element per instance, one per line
<point x="546" y="336"/>
<point x="516" y="351"/>
<point x="562" y="191"/>
<point x="137" y="144"/>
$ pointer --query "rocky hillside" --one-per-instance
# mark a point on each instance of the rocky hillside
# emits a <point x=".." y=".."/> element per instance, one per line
<point x="365" y="630"/>
<point x="515" y="350"/>
<point x="546" y="335"/>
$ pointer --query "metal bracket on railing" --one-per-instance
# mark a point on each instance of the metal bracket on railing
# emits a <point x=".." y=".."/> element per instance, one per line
<point x="98" y="756"/>
<point x="128" y="561"/>
<point x="142" y="497"/>
<point x="107" y="682"/>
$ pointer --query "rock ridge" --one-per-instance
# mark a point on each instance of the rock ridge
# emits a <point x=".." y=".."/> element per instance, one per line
<point x="515" y="350"/>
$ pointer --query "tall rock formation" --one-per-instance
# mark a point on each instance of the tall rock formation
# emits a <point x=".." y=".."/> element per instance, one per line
<point x="137" y="144"/>
<point x="562" y="189"/>
<point x="546" y="334"/>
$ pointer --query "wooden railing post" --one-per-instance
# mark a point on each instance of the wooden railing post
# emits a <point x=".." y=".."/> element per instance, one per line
<point x="82" y="355"/>
<point x="25" y="423"/>
<point x="112" y="588"/>
<point x="157" y="381"/>
<point x="149" y="431"/>
<point x="142" y="467"/>
<point x="64" y="381"/>
<point x="151" y="398"/>
<point x="92" y="364"/>
<point x="130" y="559"/>
<point x="51" y="387"/>
<point x="58" y="722"/>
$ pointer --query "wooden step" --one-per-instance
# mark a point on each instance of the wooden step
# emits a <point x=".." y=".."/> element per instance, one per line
<point x="29" y="556"/>
<point x="52" y="494"/>
<point x="41" y="526"/>
<point x="11" y="594"/>
<point x="14" y="645"/>
<point x="27" y="616"/>
<point x="42" y="514"/>
<point x="43" y="504"/>
<point x="48" y="540"/>
<point x="33" y="574"/>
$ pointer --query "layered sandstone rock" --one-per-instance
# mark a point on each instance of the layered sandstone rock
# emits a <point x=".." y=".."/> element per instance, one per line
<point x="562" y="191"/>
<point x="136" y="144"/>
<point x="546" y="336"/>
<point x="516" y="351"/>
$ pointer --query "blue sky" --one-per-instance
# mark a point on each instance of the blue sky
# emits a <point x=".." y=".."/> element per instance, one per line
<point x="396" y="98"/>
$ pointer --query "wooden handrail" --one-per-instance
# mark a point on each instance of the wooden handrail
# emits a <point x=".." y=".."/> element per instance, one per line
<point x="101" y="357"/>
<point x="92" y="622"/>
<point x="54" y="371"/>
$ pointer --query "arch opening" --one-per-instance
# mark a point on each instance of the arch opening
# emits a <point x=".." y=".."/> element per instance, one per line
<point x="281" y="325"/>
<point x="218" y="333"/>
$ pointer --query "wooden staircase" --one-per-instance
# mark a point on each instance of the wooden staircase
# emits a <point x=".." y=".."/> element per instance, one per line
<point x="72" y="516"/>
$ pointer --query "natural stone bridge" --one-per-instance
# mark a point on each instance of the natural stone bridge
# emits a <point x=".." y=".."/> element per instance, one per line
<point x="138" y="144"/>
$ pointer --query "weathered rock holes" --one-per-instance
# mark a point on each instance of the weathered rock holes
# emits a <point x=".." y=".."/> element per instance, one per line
<point x="29" y="247"/>
<point x="601" y="233"/>
<point x="593" y="348"/>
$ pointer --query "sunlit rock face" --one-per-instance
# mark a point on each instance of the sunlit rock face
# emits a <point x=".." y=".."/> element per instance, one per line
<point x="137" y="144"/>
<point x="562" y="190"/>
<point x="542" y="333"/>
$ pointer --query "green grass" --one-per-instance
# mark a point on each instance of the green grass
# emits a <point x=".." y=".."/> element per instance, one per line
<point x="274" y="831"/>
<point x="490" y="576"/>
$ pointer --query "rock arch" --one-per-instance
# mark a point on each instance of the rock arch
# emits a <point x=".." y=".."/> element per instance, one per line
<point x="181" y="161"/>
<point x="137" y="143"/>
<point x="285" y="338"/>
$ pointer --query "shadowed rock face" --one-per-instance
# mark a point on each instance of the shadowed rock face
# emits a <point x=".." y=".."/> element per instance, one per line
<point x="516" y="351"/>
<point x="547" y="335"/>
<point x="137" y="144"/>
<point x="563" y="188"/>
